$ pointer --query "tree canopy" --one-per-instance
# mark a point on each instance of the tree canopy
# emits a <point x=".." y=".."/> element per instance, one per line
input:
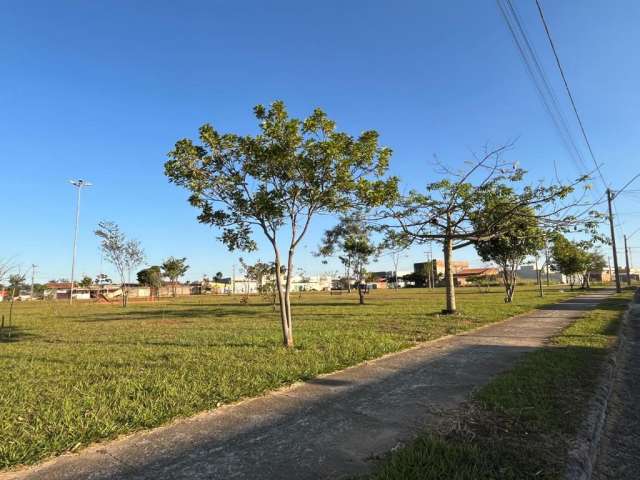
<point x="173" y="268"/>
<point x="150" y="277"/>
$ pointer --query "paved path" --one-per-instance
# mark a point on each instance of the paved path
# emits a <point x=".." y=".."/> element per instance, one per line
<point x="619" y="456"/>
<point x="326" y="428"/>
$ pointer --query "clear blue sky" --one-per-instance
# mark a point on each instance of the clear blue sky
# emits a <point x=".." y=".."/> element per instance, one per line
<point x="102" y="90"/>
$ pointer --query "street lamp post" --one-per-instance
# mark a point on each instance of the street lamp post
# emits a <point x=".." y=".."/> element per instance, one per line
<point x="79" y="184"/>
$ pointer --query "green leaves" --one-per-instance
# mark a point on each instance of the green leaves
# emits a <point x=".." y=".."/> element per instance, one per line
<point x="291" y="170"/>
<point x="173" y="268"/>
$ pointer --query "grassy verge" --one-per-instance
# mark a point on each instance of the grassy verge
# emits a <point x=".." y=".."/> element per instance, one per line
<point x="71" y="375"/>
<point x="520" y="425"/>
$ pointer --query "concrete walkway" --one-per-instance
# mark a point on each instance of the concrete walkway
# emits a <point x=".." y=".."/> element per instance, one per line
<point x="330" y="427"/>
<point x="619" y="455"/>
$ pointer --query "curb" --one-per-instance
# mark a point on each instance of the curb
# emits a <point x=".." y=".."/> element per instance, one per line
<point x="584" y="451"/>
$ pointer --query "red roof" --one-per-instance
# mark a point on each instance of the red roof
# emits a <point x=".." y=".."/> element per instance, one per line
<point x="58" y="285"/>
<point x="468" y="272"/>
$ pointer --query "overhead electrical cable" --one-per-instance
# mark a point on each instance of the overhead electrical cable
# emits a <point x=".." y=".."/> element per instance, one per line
<point x="566" y="86"/>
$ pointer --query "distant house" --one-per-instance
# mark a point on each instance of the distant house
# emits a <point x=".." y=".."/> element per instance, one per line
<point x="466" y="276"/>
<point x="62" y="290"/>
<point x="528" y="272"/>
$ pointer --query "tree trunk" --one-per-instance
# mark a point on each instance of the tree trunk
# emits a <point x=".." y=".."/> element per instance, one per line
<point x="448" y="275"/>
<point x="507" y="283"/>
<point x="124" y="295"/>
<point x="287" y="297"/>
<point x="287" y="336"/>
<point x="512" y="286"/>
<point x="540" y="288"/>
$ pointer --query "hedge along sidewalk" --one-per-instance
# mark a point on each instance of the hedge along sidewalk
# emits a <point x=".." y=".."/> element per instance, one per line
<point x="330" y="426"/>
<point x="522" y="424"/>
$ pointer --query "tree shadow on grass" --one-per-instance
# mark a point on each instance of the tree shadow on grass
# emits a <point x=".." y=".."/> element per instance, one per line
<point x="14" y="334"/>
<point x="215" y="312"/>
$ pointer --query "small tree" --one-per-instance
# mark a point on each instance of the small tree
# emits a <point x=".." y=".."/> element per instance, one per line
<point x="173" y="268"/>
<point x="16" y="283"/>
<point x="123" y="254"/>
<point x="258" y="272"/>
<point x="152" y="278"/>
<point x="351" y="241"/>
<point x="86" y="282"/>
<point x="519" y="237"/>
<point x="277" y="181"/>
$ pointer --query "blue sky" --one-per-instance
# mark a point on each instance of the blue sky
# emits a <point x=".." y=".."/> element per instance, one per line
<point x="102" y="90"/>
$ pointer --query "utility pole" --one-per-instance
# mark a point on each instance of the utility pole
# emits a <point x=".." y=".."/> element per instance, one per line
<point x="78" y="184"/>
<point x="613" y="241"/>
<point x="626" y="258"/>
<point x="33" y="275"/>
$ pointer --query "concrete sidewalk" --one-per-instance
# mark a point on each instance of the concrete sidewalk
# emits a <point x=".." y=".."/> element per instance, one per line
<point x="329" y="427"/>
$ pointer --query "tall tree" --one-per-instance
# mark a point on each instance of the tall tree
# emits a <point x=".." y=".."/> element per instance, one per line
<point x="446" y="210"/>
<point x="124" y="254"/>
<point x="594" y="262"/>
<point x="173" y="268"/>
<point x="568" y="258"/>
<point x="277" y="181"/>
<point x="351" y="241"/>
<point x="520" y="236"/>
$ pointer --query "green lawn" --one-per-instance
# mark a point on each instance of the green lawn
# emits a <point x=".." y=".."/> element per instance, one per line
<point x="71" y="375"/>
<point x="520" y="425"/>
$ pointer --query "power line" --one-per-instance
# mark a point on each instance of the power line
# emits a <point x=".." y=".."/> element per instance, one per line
<point x="566" y="86"/>
<point x="626" y="185"/>
<point x="549" y="89"/>
<point x="540" y="81"/>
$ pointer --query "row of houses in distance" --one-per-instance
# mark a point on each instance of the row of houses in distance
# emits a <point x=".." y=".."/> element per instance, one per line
<point x="241" y="285"/>
<point x="463" y="274"/>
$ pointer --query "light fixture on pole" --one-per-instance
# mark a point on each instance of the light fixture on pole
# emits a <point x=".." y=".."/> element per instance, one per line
<point x="79" y="184"/>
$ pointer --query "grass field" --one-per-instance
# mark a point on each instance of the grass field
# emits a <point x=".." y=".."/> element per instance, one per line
<point x="520" y="425"/>
<point x="71" y="375"/>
